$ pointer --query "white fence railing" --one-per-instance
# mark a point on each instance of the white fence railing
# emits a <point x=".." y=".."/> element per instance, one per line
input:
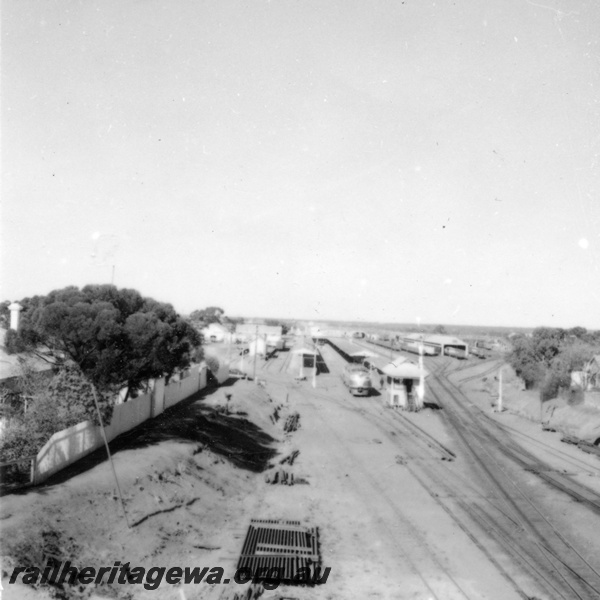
<point x="69" y="445"/>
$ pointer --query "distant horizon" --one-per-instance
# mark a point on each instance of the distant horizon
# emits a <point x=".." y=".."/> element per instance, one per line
<point x="350" y="322"/>
<point x="405" y="325"/>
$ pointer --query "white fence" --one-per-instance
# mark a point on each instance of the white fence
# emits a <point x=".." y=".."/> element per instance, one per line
<point x="69" y="445"/>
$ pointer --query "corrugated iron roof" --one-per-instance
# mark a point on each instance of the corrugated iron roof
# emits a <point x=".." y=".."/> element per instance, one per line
<point x="404" y="369"/>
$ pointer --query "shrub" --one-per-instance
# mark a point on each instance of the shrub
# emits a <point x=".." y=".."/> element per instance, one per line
<point x="51" y="407"/>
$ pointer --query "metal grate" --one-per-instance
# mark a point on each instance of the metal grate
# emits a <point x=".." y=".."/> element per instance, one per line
<point x="283" y="545"/>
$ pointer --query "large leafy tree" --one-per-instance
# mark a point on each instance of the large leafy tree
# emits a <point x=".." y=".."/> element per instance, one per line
<point x="115" y="336"/>
<point x="548" y="357"/>
<point x="524" y="360"/>
<point x="212" y="314"/>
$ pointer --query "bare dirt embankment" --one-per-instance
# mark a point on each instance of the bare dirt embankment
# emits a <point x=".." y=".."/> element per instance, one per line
<point x="576" y="415"/>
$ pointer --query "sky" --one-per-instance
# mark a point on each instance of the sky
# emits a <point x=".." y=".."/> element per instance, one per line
<point x="393" y="161"/>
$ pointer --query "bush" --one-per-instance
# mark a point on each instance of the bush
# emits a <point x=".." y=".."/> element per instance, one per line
<point x="550" y="386"/>
<point x="51" y="407"/>
<point x="524" y="361"/>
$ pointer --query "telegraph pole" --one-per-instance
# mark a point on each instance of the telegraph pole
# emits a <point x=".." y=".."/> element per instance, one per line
<point x="500" y="391"/>
<point x="255" y="352"/>
<point x="421" y="389"/>
<point x="94" y="393"/>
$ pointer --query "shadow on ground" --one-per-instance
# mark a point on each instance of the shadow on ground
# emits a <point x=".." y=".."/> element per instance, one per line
<point x="234" y="438"/>
<point x="230" y="436"/>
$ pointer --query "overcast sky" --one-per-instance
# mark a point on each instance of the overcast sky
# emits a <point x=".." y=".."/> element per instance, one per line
<point x="377" y="160"/>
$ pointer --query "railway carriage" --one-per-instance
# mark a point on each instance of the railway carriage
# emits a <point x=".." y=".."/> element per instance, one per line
<point x="413" y="346"/>
<point x="456" y="352"/>
<point x="478" y="352"/>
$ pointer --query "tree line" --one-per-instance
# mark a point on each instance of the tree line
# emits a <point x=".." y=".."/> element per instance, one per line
<point x="546" y="358"/>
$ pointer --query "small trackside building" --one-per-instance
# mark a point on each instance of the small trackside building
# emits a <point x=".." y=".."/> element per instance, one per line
<point x="405" y="384"/>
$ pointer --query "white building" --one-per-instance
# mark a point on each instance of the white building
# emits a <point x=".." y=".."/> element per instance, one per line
<point x="215" y="332"/>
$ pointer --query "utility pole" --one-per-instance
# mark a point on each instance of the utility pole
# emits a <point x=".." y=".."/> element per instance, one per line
<point x="255" y="352"/>
<point x="421" y="388"/>
<point x="95" y="394"/>
<point x="500" y="390"/>
<point x="229" y="349"/>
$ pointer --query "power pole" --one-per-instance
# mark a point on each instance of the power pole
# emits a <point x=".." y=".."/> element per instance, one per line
<point x="500" y="391"/>
<point x="255" y="352"/>
<point x="421" y="388"/>
<point x="95" y="394"/>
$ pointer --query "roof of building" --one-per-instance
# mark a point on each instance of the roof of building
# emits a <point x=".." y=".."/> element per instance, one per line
<point x="404" y="369"/>
<point x="380" y="362"/>
<point x="11" y="365"/>
<point x="303" y="346"/>
<point x="437" y="338"/>
<point x="350" y="348"/>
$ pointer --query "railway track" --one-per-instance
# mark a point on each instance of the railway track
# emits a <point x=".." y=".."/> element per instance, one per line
<point x="549" y="557"/>
<point x="576" y="463"/>
<point x="505" y="513"/>
<point x="414" y="550"/>
<point x="484" y="519"/>
<point x="276" y="364"/>
<point x="482" y="429"/>
<point x="427" y="460"/>
<point x="492" y="369"/>
<point x="476" y="512"/>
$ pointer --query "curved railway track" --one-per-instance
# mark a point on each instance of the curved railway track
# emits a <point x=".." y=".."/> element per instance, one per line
<point x="496" y="511"/>
<point x="423" y="456"/>
<point x="493" y="369"/>
<point x="552" y="559"/>
<point x="469" y="419"/>
<point x="580" y="465"/>
<point x="476" y="514"/>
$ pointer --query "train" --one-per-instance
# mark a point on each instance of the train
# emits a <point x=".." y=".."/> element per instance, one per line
<point x="357" y="379"/>
<point x="478" y="352"/>
<point x="415" y="347"/>
<point x="456" y="352"/>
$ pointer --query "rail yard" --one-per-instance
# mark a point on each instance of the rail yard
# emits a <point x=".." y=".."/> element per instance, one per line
<point x="442" y="499"/>
<point x="522" y="511"/>
<point x="502" y="502"/>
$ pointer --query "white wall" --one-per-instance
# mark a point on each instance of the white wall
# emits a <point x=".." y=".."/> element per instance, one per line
<point x="69" y="445"/>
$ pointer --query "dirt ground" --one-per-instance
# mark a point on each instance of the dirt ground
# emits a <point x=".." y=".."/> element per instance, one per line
<point x="193" y="478"/>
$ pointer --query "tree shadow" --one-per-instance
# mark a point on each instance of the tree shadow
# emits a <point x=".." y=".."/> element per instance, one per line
<point x="237" y="440"/>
